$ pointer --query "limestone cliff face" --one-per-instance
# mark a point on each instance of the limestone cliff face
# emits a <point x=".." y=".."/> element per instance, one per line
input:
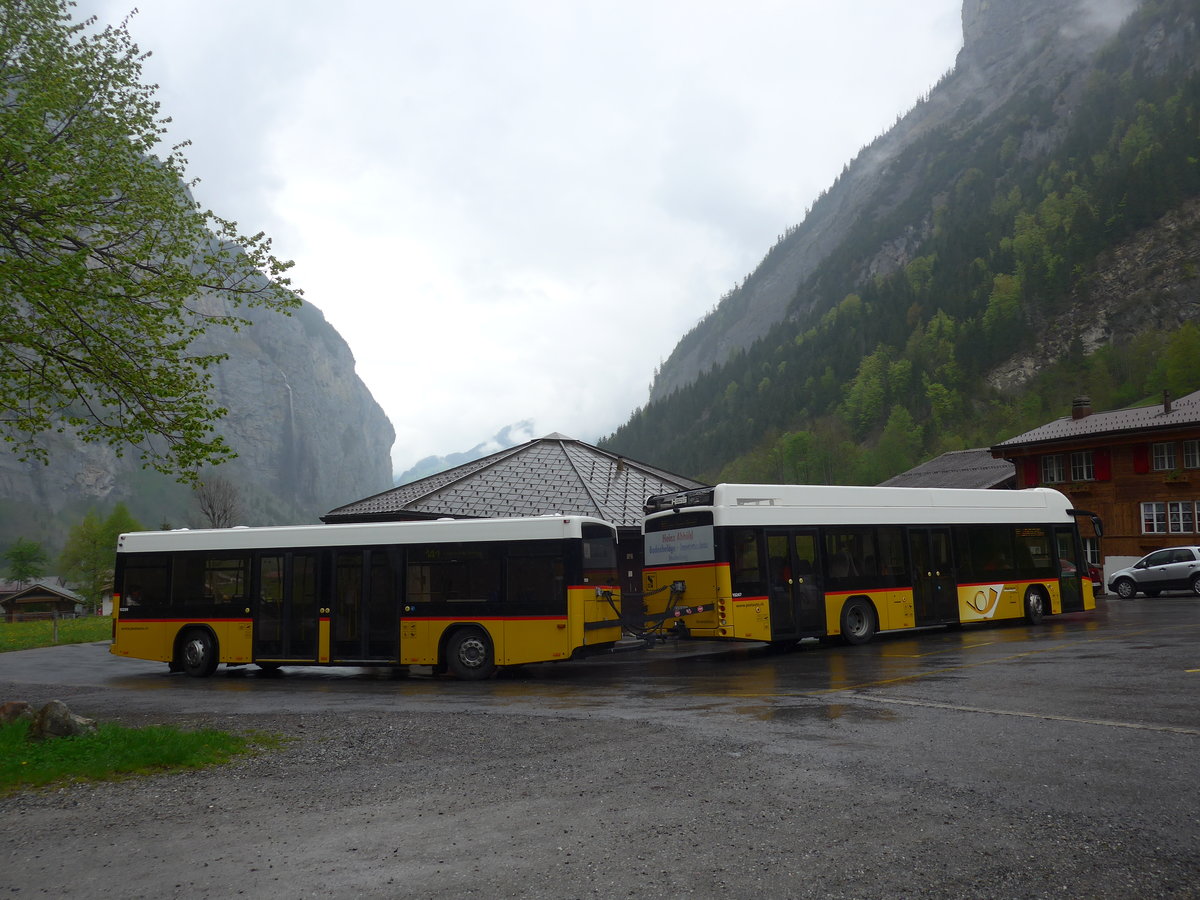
<point x="308" y="434"/>
<point x="1009" y="47"/>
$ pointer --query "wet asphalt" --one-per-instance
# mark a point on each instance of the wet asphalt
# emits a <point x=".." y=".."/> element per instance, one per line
<point x="1059" y="760"/>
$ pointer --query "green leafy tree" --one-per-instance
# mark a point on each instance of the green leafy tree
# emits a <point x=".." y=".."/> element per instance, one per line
<point x="90" y="552"/>
<point x="109" y="271"/>
<point x="867" y="393"/>
<point x="899" y="446"/>
<point x="1181" y="361"/>
<point x="26" y="561"/>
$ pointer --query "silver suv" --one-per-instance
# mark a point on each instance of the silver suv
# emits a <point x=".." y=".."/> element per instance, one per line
<point x="1172" y="569"/>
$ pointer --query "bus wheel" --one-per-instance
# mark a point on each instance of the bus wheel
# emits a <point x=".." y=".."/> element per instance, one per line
<point x="858" y="621"/>
<point x="469" y="654"/>
<point x="1035" y="605"/>
<point x="198" y="653"/>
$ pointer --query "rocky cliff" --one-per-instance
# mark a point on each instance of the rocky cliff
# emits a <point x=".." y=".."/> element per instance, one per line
<point x="1009" y="47"/>
<point x="308" y="434"/>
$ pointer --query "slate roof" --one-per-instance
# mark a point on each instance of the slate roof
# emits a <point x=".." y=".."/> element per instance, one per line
<point x="1184" y="412"/>
<point x="550" y="475"/>
<point x="959" y="469"/>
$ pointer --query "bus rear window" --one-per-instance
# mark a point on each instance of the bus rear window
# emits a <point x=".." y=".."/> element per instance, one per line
<point x="599" y="556"/>
<point x="679" y="520"/>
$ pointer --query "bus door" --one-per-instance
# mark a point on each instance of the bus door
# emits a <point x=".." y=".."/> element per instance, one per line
<point x="1072" y="569"/>
<point x="796" y="595"/>
<point x="935" y="587"/>
<point x="285" y="608"/>
<point x="365" y="614"/>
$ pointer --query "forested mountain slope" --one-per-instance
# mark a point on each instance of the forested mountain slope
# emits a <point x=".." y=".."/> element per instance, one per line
<point x="1027" y="232"/>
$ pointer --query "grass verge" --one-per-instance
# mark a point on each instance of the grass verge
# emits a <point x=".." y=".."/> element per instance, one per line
<point x="28" y="635"/>
<point x="114" y="752"/>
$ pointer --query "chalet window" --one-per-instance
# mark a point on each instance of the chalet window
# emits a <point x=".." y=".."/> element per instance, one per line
<point x="1191" y="454"/>
<point x="1053" y="470"/>
<point x="1154" y="518"/>
<point x="1180" y="517"/>
<point x="1083" y="468"/>
<point x="1163" y="457"/>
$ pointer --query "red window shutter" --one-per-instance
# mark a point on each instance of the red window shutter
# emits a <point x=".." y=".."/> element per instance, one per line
<point x="1030" y="474"/>
<point x="1102" y="464"/>
<point x="1141" y="459"/>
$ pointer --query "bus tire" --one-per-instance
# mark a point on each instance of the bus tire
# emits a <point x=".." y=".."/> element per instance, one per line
<point x="469" y="654"/>
<point x="858" y="621"/>
<point x="198" y="652"/>
<point x="1035" y="605"/>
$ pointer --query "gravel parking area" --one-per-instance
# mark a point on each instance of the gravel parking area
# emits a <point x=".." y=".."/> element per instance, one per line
<point x="486" y="804"/>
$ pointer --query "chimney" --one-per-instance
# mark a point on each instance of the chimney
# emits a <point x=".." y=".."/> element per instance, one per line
<point x="1081" y="407"/>
<point x="1166" y="402"/>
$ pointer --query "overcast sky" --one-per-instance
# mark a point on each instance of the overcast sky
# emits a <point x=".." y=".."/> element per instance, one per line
<point x="514" y="210"/>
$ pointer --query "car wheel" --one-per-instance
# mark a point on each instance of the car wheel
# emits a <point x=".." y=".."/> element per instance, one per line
<point x="1196" y="584"/>
<point x="1125" y="589"/>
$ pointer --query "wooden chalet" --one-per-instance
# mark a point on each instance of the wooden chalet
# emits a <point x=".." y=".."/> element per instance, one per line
<point x="21" y="601"/>
<point x="1137" y="468"/>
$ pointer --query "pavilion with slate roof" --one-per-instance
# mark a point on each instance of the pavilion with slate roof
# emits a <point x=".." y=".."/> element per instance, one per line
<point x="553" y="475"/>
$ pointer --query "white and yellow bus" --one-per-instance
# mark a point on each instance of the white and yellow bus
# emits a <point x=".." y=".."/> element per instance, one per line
<point x="464" y="595"/>
<point x="779" y="563"/>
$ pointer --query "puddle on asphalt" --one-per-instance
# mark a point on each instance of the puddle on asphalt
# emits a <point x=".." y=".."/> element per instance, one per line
<point x="832" y="712"/>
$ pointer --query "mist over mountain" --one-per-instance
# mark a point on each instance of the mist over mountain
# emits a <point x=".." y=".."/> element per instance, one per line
<point x="1027" y="230"/>
<point x="508" y="436"/>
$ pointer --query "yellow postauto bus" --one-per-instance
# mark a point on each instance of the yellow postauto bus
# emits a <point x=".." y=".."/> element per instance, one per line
<point x="463" y="595"/>
<point x="779" y="563"/>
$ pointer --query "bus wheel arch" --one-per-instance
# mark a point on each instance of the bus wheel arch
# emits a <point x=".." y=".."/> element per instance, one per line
<point x="469" y="653"/>
<point x="859" y="620"/>
<point x="197" y="651"/>
<point x="1036" y="604"/>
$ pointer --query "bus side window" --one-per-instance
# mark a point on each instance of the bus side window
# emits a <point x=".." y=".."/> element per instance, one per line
<point x="148" y="577"/>
<point x="892" y="566"/>
<point x="745" y="563"/>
